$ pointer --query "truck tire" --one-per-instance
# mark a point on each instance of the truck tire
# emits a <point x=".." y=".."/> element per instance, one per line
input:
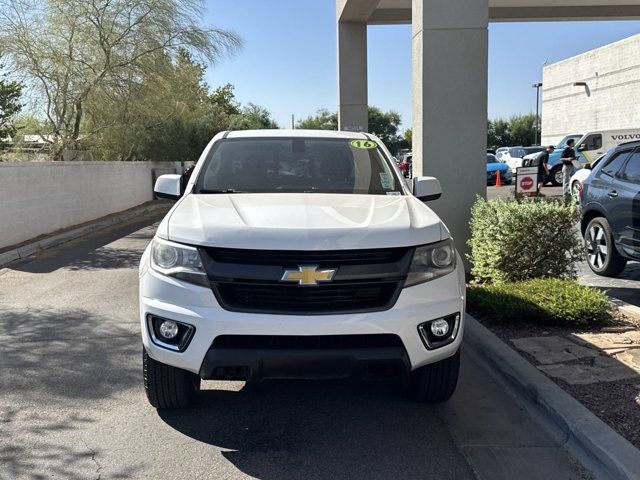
<point x="555" y="176"/>
<point x="435" y="383"/>
<point x="167" y="386"/>
<point x="602" y="256"/>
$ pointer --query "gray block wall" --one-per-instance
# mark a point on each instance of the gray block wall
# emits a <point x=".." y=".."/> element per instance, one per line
<point x="38" y="198"/>
<point x="609" y="101"/>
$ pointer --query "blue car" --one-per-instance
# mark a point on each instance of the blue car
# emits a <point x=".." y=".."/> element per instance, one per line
<point x="493" y="167"/>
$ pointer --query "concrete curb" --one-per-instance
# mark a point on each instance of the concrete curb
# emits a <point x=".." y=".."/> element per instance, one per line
<point x="28" y="249"/>
<point x="626" y="308"/>
<point x="589" y="439"/>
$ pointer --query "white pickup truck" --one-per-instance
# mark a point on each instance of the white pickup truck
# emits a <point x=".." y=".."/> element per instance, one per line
<point x="299" y="254"/>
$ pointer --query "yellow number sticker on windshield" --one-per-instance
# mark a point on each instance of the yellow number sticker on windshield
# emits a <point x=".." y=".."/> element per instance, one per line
<point x="367" y="144"/>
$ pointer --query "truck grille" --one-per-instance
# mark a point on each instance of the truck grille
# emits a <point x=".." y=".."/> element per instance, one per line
<point x="249" y="280"/>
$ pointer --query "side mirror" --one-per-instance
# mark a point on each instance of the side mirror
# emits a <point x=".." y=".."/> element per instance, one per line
<point x="168" y="186"/>
<point x="426" y="188"/>
<point x="582" y="148"/>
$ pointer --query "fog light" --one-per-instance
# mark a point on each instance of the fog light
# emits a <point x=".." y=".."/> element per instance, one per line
<point x="168" y="329"/>
<point x="440" y="327"/>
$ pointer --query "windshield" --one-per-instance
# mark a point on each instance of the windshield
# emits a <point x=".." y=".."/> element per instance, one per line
<point x="516" y="152"/>
<point x="563" y="142"/>
<point x="530" y="150"/>
<point x="296" y="165"/>
<point x="491" y="158"/>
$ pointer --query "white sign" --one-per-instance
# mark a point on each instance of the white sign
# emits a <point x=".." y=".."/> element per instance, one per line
<point x="527" y="180"/>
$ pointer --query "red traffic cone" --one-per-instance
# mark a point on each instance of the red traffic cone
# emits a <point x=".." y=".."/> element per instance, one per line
<point x="498" y="179"/>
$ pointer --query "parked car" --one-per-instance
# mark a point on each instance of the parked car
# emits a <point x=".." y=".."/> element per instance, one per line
<point x="406" y="166"/>
<point x="513" y="158"/>
<point x="611" y="210"/>
<point x="493" y="167"/>
<point x="500" y="152"/>
<point x="589" y="147"/>
<point x="580" y="176"/>
<point x="186" y="175"/>
<point x="299" y="254"/>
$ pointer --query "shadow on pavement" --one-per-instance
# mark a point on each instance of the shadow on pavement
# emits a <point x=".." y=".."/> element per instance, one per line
<point x="331" y="429"/>
<point x="629" y="295"/>
<point x="43" y="457"/>
<point x="92" y="252"/>
<point x="65" y="353"/>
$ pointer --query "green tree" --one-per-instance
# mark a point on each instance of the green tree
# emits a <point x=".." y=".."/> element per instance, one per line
<point x="498" y="134"/>
<point x="385" y="125"/>
<point x="522" y="129"/>
<point x="408" y="137"/>
<point x="168" y="115"/>
<point x="10" y="92"/>
<point x="322" y="120"/>
<point x="71" y="50"/>
<point x="225" y="98"/>
<point x="253" y="117"/>
<point x="517" y="130"/>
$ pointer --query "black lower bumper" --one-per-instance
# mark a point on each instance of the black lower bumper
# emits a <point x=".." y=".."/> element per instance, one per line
<point x="262" y="364"/>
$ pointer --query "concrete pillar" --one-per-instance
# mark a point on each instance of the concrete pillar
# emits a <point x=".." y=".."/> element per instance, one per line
<point x="352" y="76"/>
<point x="450" y="50"/>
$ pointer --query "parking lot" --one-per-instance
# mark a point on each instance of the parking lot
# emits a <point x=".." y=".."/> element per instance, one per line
<point x="73" y="406"/>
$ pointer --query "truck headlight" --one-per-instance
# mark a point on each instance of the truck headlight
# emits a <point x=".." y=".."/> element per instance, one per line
<point x="432" y="261"/>
<point x="178" y="261"/>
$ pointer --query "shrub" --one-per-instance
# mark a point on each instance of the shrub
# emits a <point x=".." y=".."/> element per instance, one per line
<point x="517" y="240"/>
<point x="542" y="300"/>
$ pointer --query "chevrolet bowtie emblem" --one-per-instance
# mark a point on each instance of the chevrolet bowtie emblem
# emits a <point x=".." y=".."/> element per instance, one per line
<point x="308" y="275"/>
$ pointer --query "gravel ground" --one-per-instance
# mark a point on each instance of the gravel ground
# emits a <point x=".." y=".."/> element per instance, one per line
<point x="616" y="403"/>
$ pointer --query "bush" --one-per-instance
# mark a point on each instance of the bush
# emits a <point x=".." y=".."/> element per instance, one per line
<point x="517" y="240"/>
<point x="542" y="300"/>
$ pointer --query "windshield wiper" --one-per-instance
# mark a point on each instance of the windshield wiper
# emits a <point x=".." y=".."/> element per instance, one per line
<point x="226" y="190"/>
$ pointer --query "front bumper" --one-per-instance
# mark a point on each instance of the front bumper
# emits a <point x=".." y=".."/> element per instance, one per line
<point x="260" y="364"/>
<point x="194" y="305"/>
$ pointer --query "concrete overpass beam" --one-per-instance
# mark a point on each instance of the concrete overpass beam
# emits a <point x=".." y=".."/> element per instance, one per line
<point x="450" y="62"/>
<point x="352" y="76"/>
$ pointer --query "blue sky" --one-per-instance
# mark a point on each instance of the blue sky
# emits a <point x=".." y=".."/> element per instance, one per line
<point x="288" y="62"/>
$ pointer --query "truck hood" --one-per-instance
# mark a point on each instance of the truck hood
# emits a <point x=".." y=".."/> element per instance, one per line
<point x="291" y="221"/>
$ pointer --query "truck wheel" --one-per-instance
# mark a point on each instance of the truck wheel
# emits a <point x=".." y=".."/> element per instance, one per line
<point x="555" y="176"/>
<point x="167" y="386"/>
<point x="436" y="383"/>
<point x="602" y="256"/>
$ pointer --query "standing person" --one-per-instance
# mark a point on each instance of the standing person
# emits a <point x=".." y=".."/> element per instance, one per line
<point x="543" y="166"/>
<point x="568" y="156"/>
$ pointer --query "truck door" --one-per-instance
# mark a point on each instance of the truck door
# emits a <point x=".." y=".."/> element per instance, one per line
<point x="627" y="206"/>
<point x="590" y="148"/>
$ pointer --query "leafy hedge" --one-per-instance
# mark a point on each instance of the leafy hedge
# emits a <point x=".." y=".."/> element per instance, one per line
<point x="517" y="240"/>
<point x="543" y="300"/>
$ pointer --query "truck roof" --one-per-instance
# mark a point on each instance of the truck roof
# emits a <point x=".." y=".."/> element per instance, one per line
<point x="296" y="133"/>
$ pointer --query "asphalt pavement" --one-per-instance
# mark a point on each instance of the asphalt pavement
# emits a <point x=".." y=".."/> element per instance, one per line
<point x="72" y="404"/>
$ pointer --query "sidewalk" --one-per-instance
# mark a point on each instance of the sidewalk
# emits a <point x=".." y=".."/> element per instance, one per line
<point x="600" y="367"/>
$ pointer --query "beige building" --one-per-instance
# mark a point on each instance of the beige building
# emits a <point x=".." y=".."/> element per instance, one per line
<point x="450" y="52"/>
<point x="605" y="97"/>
